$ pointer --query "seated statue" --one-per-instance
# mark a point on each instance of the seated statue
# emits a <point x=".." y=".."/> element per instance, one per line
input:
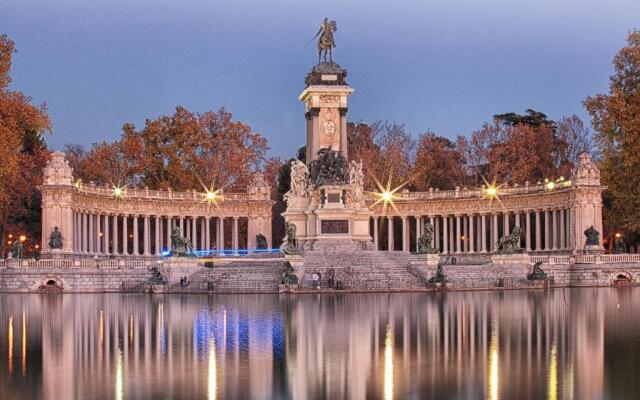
<point x="261" y="242"/>
<point x="537" y="274"/>
<point x="593" y="236"/>
<point x="180" y="246"/>
<point x="288" y="275"/>
<point x="425" y="242"/>
<point x="439" y="277"/>
<point x="55" y="239"/>
<point x="290" y="244"/>
<point x="510" y="244"/>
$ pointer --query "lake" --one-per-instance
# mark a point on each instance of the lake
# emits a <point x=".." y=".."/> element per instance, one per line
<point x="557" y="344"/>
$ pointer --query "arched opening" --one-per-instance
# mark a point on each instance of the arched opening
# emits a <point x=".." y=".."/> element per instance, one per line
<point x="622" y="279"/>
<point x="51" y="282"/>
<point x="51" y="286"/>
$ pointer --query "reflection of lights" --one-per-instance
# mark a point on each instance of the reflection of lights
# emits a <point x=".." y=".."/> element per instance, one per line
<point x="131" y="328"/>
<point x="100" y="234"/>
<point x="10" y="352"/>
<point x="101" y="327"/>
<point x="119" y="395"/>
<point x="388" y="364"/>
<point x="493" y="378"/>
<point x="24" y="343"/>
<point x="212" y="383"/>
<point x="553" y="374"/>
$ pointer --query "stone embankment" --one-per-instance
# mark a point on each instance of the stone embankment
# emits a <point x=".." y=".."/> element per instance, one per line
<point x="354" y="271"/>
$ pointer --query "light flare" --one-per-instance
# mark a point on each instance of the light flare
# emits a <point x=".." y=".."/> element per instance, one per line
<point x="492" y="191"/>
<point x="386" y="194"/>
<point x="119" y="191"/>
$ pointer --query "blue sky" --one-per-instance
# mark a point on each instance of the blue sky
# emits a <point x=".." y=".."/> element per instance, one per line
<point x="445" y="66"/>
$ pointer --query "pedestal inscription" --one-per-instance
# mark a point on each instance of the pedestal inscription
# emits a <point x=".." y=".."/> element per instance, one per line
<point x="334" y="226"/>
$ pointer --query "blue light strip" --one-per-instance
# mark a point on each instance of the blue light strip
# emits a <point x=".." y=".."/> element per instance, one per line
<point x="227" y="252"/>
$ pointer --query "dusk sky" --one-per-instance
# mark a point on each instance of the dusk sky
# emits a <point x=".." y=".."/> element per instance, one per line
<point x="445" y="66"/>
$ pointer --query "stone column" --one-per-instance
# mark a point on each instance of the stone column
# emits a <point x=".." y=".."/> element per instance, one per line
<point x="494" y="231"/>
<point x="538" y="232"/>
<point x="405" y="233"/>
<point x="554" y="228"/>
<point x="458" y="235"/>
<point x="563" y="243"/>
<point x="115" y="234"/>
<point x="203" y="236"/>
<point x="517" y="215"/>
<point x="483" y="233"/>
<point x="375" y="232"/>
<point x="136" y="248"/>
<point x="221" y="234"/>
<point x="147" y="234"/>
<point x="451" y="238"/>
<point x="91" y="233"/>
<point x="471" y="234"/>
<point x="98" y="233"/>
<point x="169" y="226"/>
<point x="194" y="233"/>
<point x="437" y="232"/>
<point x="234" y="238"/>
<point x="570" y="230"/>
<point x="390" y="245"/>
<point x="208" y="234"/>
<point x="547" y="231"/>
<point x="527" y="224"/>
<point x="445" y="234"/>
<point x="182" y="226"/>
<point x="85" y="238"/>
<point x="157" y="231"/>
<point x="106" y="238"/>
<point x="505" y="217"/>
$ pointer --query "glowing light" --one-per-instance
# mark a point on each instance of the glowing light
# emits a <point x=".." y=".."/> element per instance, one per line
<point x="491" y="191"/>
<point x="618" y="235"/>
<point x="23" y="238"/>
<point x="493" y="380"/>
<point x="211" y="196"/>
<point x="119" y="191"/>
<point x="10" y="339"/>
<point x="388" y="364"/>
<point x="552" y="386"/>
<point x="10" y="236"/>
<point x="386" y="194"/>
<point x="100" y="234"/>
<point x="212" y="378"/>
<point x="119" y="387"/>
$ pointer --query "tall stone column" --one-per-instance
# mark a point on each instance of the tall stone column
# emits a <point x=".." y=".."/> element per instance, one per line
<point x="182" y="226"/>
<point x="98" y="233"/>
<point x="115" y="234"/>
<point x="471" y="234"/>
<point x="563" y="243"/>
<point x="458" y="235"/>
<point x="208" y="234"/>
<point x="158" y="229"/>
<point x="538" y="232"/>
<point x="194" y="232"/>
<point x="221" y="232"/>
<point x="437" y="231"/>
<point x="147" y="235"/>
<point x="136" y="239"/>
<point x="505" y="230"/>
<point x="390" y="245"/>
<point x="83" y="222"/>
<point x="375" y="232"/>
<point x="517" y="215"/>
<point x="554" y="227"/>
<point x="57" y="202"/>
<point x="445" y="234"/>
<point x="405" y="233"/>
<point x="586" y="201"/>
<point x="452" y="233"/>
<point x="125" y="233"/>
<point x="418" y="229"/>
<point x="203" y="236"/>
<point x="547" y="230"/>
<point x="494" y="231"/>
<point x="527" y="220"/>
<point x="169" y="227"/>
<point x="91" y="233"/>
<point x="106" y="236"/>
<point x="234" y="238"/>
<point x="483" y="233"/>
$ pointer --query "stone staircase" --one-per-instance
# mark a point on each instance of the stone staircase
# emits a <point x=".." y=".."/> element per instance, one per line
<point x="235" y="277"/>
<point x="365" y="270"/>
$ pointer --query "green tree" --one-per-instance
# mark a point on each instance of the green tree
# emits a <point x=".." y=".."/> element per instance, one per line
<point x="616" y="121"/>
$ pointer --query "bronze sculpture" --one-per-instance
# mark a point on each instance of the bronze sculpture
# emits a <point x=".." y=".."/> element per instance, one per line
<point x="425" y="241"/>
<point x="593" y="236"/>
<point x="325" y="39"/>
<point x="180" y="246"/>
<point x="510" y="244"/>
<point x="55" y="239"/>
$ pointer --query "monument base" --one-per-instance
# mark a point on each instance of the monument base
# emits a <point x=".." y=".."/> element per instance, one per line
<point x="511" y="259"/>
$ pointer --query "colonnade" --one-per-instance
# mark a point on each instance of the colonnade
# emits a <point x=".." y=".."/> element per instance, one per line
<point x="147" y="235"/>
<point x="545" y="229"/>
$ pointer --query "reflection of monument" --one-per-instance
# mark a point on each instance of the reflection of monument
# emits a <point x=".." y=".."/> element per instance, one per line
<point x="326" y="202"/>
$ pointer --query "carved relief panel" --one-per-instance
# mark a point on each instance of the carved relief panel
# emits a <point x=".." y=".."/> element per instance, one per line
<point x="329" y="128"/>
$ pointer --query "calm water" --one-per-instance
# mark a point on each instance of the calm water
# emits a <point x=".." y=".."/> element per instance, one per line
<point x="562" y="344"/>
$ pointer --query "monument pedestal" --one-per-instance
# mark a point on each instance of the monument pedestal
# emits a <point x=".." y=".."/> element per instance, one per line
<point x="511" y="259"/>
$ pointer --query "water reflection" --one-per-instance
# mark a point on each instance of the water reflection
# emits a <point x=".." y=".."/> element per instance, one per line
<point x="558" y="345"/>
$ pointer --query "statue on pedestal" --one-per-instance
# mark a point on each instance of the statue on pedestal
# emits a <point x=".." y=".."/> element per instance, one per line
<point x="439" y="277"/>
<point x="180" y="246"/>
<point x="55" y="239"/>
<point x="356" y="180"/>
<point x="299" y="179"/>
<point x="331" y="168"/>
<point x="288" y="275"/>
<point x="537" y="274"/>
<point x="510" y="244"/>
<point x="593" y="236"/>
<point x="261" y="242"/>
<point x="290" y="244"/>
<point x="325" y="39"/>
<point x="425" y="241"/>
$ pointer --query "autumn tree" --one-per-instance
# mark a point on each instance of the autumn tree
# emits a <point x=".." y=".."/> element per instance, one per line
<point x="616" y="120"/>
<point x="182" y="151"/>
<point x="23" y="153"/>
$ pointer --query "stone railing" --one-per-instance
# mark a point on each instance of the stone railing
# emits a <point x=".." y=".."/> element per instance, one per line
<point x="462" y="193"/>
<point x="587" y="259"/>
<point x="144" y="193"/>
